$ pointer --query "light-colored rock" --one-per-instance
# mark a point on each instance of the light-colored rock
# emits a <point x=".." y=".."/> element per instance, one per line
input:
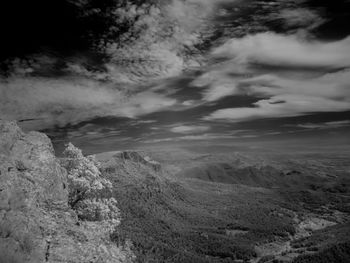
<point x="138" y="158"/>
<point x="36" y="222"/>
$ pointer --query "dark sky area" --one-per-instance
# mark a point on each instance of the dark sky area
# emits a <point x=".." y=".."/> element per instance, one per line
<point x="67" y="27"/>
<point x="32" y="26"/>
<point x="125" y="74"/>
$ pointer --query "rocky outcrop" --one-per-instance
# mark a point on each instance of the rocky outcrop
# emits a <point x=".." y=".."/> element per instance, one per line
<point x="138" y="158"/>
<point x="37" y="224"/>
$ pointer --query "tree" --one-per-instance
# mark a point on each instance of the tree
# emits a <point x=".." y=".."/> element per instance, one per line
<point x="89" y="192"/>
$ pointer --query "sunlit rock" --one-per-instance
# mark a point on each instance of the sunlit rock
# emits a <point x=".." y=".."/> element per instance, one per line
<point x="37" y="223"/>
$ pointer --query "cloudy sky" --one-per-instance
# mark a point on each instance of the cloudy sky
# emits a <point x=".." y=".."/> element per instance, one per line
<point x="128" y="74"/>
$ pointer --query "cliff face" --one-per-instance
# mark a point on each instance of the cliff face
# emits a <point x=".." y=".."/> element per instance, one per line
<point x="136" y="157"/>
<point x="37" y="224"/>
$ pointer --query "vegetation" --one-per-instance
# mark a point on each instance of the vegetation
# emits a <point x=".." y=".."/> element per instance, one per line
<point x="193" y="220"/>
<point x="89" y="192"/>
<point x="167" y="221"/>
<point x="339" y="253"/>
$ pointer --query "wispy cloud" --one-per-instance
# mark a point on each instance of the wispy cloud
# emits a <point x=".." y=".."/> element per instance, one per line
<point x="300" y="18"/>
<point x="332" y="85"/>
<point x="158" y="39"/>
<point x="287" y="97"/>
<point x="190" y="129"/>
<point x="143" y="103"/>
<point x="279" y="106"/>
<point x="71" y="100"/>
<point x="196" y="137"/>
<point x="279" y="95"/>
<point x="280" y="50"/>
<point x="218" y="91"/>
<point x="145" y="121"/>
<point x="324" y="125"/>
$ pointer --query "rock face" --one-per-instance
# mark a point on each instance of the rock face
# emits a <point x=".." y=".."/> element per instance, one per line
<point x="138" y="158"/>
<point x="37" y="223"/>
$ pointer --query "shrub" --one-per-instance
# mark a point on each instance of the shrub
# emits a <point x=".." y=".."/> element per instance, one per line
<point x="338" y="253"/>
<point x="88" y="190"/>
<point x="98" y="209"/>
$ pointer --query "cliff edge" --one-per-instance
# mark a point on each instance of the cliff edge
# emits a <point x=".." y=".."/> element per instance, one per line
<point x="39" y="220"/>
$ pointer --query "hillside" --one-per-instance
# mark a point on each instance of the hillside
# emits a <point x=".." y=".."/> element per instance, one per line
<point x="242" y="209"/>
<point x="169" y="206"/>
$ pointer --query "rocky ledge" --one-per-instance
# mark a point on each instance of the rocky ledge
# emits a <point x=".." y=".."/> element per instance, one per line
<point x="53" y="210"/>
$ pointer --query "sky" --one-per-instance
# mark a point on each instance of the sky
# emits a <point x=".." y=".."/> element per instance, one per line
<point x="137" y="74"/>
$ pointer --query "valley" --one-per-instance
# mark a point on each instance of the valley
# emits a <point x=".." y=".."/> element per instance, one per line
<point x="233" y="207"/>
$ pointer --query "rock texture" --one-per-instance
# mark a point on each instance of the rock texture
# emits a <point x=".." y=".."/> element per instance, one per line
<point x="37" y="224"/>
<point x="138" y="158"/>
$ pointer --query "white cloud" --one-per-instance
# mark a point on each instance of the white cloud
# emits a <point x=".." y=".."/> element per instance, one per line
<point x="282" y="95"/>
<point x="62" y="101"/>
<point x="217" y="92"/>
<point x="301" y="17"/>
<point x="157" y="39"/>
<point x="145" y="121"/>
<point x="325" y="125"/>
<point x="280" y="106"/>
<point x="233" y="76"/>
<point x="217" y="81"/>
<point x="206" y="136"/>
<point x="143" y="103"/>
<point x="290" y="97"/>
<point x="188" y="102"/>
<point x="159" y="140"/>
<point x="281" y="50"/>
<point x="189" y="129"/>
<point x="197" y="137"/>
<point x="332" y="85"/>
